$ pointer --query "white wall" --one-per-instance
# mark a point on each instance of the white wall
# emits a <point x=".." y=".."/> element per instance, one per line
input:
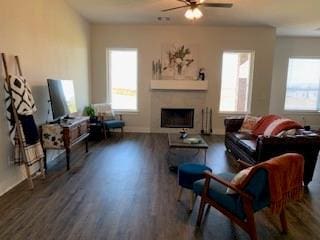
<point x="51" y="41"/>
<point x="211" y="41"/>
<point x="287" y="47"/>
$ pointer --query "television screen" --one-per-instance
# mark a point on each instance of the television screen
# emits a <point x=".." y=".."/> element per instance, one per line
<point x="62" y="98"/>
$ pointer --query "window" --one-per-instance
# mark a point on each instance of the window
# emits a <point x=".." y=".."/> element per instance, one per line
<point x="123" y="79"/>
<point x="303" y="85"/>
<point x="236" y="78"/>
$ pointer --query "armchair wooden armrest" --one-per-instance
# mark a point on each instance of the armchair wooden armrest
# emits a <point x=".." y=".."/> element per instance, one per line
<point x="209" y="175"/>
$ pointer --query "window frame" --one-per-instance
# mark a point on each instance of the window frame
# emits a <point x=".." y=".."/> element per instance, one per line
<point x="109" y="83"/>
<point x="297" y="111"/>
<point x="252" y="52"/>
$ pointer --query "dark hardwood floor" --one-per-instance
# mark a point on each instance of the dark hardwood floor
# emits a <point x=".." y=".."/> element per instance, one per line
<point x="122" y="189"/>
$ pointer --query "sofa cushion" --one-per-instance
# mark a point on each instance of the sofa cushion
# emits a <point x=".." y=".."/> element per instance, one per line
<point x="249" y="146"/>
<point x="236" y="136"/>
<point x="114" y="124"/>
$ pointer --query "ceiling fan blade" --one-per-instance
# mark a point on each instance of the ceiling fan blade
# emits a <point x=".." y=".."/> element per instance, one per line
<point x="170" y="9"/>
<point x="184" y="1"/>
<point x="221" y="5"/>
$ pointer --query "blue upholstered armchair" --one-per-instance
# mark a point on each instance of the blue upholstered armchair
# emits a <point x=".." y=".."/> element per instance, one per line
<point x="108" y="119"/>
<point x="241" y="206"/>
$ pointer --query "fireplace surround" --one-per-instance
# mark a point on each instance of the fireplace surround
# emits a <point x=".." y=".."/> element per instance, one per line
<point x="177" y="117"/>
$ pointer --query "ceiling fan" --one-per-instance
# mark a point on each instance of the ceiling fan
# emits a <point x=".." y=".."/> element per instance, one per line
<point x="193" y="11"/>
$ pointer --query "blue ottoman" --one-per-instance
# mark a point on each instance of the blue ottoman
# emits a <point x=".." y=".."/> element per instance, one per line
<point x="188" y="173"/>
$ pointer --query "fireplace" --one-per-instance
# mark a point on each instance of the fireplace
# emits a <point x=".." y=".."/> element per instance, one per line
<point x="177" y="117"/>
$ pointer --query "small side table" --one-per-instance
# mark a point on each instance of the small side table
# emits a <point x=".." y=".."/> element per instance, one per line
<point x="96" y="131"/>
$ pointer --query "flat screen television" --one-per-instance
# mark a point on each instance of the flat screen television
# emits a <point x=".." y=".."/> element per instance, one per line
<point x="62" y="98"/>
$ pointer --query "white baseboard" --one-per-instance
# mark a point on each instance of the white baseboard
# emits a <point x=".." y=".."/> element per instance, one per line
<point x="20" y="177"/>
<point x="219" y="131"/>
<point x="136" y="129"/>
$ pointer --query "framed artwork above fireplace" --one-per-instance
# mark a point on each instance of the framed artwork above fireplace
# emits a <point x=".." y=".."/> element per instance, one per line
<point x="179" y="62"/>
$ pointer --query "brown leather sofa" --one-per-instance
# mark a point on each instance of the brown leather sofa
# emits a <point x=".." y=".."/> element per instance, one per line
<point x="253" y="150"/>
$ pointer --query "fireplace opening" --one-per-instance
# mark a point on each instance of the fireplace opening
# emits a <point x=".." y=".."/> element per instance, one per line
<point x="177" y="117"/>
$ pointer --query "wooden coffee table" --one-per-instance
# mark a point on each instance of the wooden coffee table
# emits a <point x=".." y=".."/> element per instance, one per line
<point x="175" y="142"/>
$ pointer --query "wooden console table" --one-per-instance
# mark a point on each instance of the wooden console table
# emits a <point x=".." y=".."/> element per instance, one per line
<point x="73" y="131"/>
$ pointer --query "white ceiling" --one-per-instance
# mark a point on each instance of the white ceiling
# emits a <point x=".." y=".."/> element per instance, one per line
<point x="290" y="17"/>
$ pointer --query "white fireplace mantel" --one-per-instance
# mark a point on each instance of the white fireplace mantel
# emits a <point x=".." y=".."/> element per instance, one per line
<point x="191" y="85"/>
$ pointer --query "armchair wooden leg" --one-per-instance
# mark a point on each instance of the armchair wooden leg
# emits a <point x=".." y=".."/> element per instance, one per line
<point x="208" y="208"/>
<point x="253" y="232"/>
<point x="283" y="221"/>
<point x="104" y="132"/>
<point x="252" y="228"/>
<point x="201" y="210"/>
<point x="251" y="225"/>
<point x="192" y="199"/>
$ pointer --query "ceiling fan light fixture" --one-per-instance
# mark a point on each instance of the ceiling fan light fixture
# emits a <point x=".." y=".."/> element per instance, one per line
<point x="193" y="13"/>
<point x="189" y="14"/>
<point x="197" y="13"/>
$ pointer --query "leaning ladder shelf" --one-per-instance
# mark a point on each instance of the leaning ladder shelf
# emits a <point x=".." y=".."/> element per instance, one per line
<point x="18" y="126"/>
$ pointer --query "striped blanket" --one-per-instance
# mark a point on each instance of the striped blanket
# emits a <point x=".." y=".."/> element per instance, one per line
<point x="24" y="104"/>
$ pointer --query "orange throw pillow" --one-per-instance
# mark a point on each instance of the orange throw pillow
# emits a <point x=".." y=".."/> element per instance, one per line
<point x="263" y="123"/>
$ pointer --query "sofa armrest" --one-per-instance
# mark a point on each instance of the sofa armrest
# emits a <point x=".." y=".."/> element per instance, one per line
<point x="233" y="124"/>
<point x="268" y="147"/>
<point x="297" y="139"/>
